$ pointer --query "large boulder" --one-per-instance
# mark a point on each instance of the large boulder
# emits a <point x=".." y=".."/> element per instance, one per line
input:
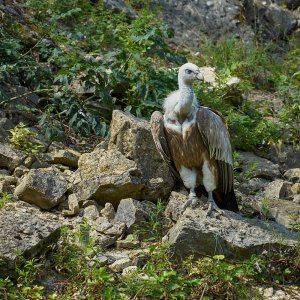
<point x="257" y="167"/>
<point x="44" y="187"/>
<point x="25" y="231"/>
<point x="284" y="212"/>
<point x="107" y="176"/>
<point x="229" y="234"/>
<point x="269" y="19"/>
<point x="132" y="137"/>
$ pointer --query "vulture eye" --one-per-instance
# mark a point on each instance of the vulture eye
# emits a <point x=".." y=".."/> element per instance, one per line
<point x="188" y="71"/>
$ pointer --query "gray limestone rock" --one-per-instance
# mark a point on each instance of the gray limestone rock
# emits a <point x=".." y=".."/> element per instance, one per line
<point x="91" y="212"/>
<point x="230" y="235"/>
<point x="107" y="176"/>
<point x="120" y="265"/>
<point x="73" y="206"/>
<point x="5" y="125"/>
<point x="67" y="157"/>
<point x="44" y="187"/>
<point x="278" y="189"/>
<point x="253" y="186"/>
<point x="133" y="213"/>
<point x="25" y="231"/>
<point x="292" y="175"/>
<point x="287" y="156"/>
<point x="258" y="167"/>
<point x="133" y="138"/>
<point x="10" y="158"/>
<point x="108" y="211"/>
<point x="286" y="213"/>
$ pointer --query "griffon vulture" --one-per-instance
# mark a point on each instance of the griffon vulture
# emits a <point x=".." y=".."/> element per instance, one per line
<point x="194" y="141"/>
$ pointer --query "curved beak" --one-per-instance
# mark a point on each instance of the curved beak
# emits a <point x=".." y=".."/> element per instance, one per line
<point x="199" y="76"/>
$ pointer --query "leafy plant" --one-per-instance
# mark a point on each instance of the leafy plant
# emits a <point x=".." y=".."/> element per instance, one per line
<point x="4" y="198"/>
<point x="154" y="228"/>
<point x="23" y="139"/>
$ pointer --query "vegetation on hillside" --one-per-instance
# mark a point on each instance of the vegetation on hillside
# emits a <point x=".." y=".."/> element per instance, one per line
<point x="83" y="61"/>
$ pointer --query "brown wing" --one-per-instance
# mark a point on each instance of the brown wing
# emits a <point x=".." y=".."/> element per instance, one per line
<point x="160" y="140"/>
<point x="215" y="135"/>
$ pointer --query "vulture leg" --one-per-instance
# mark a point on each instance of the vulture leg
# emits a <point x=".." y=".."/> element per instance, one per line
<point x="212" y="205"/>
<point x="192" y="200"/>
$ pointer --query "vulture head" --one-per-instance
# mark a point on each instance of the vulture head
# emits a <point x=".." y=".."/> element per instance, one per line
<point x="189" y="73"/>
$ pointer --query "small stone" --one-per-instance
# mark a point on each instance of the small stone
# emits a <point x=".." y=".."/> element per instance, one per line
<point x="127" y="244"/>
<point x="268" y="292"/>
<point x="279" y="295"/>
<point x="102" y="260"/>
<point x="120" y="265"/>
<point x="278" y="189"/>
<point x="102" y="240"/>
<point x="295" y="188"/>
<point x="20" y="171"/>
<point x="108" y="211"/>
<point x="293" y="175"/>
<point x="129" y="270"/>
<point x="91" y="212"/>
<point x="73" y="206"/>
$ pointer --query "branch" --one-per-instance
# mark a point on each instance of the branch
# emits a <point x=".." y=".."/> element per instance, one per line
<point x="24" y="95"/>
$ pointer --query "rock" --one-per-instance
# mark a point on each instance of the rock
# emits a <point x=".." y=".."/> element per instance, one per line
<point x="271" y="20"/>
<point x="24" y="231"/>
<point x="230" y="235"/>
<point x="278" y="189"/>
<point x="113" y="229"/>
<point x="268" y="292"/>
<point x="195" y="20"/>
<point x="129" y="243"/>
<point x="44" y="187"/>
<point x="292" y="175"/>
<point x="102" y="260"/>
<point x="253" y="186"/>
<point x="5" y="125"/>
<point x="73" y="205"/>
<point x="287" y="156"/>
<point x="91" y="212"/>
<point x="120" y="6"/>
<point x="102" y="240"/>
<point x="42" y="160"/>
<point x="258" y="167"/>
<point x="67" y="157"/>
<point x="108" y="211"/>
<point x="120" y="265"/>
<point x="286" y="213"/>
<point x="295" y="188"/>
<point x="10" y="158"/>
<point x="107" y="176"/>
<point x="133" y="213"/>
<point x="173" y="210"/>
<point x="129" y="270"/>
<point x="20" y="171"/>
<point x="133" y="138"/>
<point x="290" y="4"/>
<point x="280" y="21"/>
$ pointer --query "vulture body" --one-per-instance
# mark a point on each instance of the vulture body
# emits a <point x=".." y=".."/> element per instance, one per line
<point x="194" y="141"/>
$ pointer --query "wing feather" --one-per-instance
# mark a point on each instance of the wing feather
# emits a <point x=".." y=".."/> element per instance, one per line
<point x="213" y="129"/>
<point x="160" y="140"/>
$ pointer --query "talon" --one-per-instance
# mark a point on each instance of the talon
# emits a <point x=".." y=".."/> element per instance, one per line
<point x="191" y="202"/>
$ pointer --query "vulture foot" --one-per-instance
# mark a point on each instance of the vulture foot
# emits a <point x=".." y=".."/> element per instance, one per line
<point x="192" y="202"/>
<point x="212" y="206"/>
